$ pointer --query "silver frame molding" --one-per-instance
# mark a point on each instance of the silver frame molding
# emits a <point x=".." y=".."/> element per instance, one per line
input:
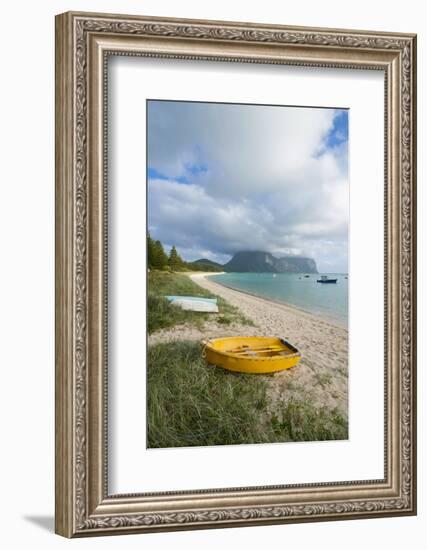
<point x="83" y="43"/>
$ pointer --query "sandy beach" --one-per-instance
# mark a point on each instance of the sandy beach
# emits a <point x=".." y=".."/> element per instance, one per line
<point x="321" y="375"/>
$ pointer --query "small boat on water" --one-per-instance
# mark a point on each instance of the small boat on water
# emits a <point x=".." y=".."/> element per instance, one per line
<point x="326" y="279"/>
<point x="251" y="354"/>
<point x="307" y="276"/>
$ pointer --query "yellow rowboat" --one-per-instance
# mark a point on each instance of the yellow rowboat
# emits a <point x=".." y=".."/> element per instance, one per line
<point x="253" y="354"/>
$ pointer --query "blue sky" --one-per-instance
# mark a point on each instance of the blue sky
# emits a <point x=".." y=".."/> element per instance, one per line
<point x="226" y="177"/>
<point x="339" y="132"/>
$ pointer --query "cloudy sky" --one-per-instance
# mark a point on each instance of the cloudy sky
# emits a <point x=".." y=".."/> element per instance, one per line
<point x="226" y="177"/>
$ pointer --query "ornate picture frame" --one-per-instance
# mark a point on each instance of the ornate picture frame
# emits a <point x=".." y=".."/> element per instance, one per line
<point x="84" y="42"/>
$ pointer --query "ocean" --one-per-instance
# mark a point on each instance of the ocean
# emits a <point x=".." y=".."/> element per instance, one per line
<point x="329" y="301"/>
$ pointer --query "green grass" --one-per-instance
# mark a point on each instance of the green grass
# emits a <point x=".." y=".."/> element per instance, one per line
<point x="162" y="314"/>
<point x="299" y="420"/>
<point x="190" y="403"/>
<point x="164" y="283"/>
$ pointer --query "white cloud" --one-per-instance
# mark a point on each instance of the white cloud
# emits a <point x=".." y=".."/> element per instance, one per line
<point x="258" y="178"/>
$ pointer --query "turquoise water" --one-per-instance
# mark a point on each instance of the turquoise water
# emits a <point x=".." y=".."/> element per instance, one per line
<point x="329" y="301"/>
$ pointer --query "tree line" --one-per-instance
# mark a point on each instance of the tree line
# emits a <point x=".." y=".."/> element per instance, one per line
<point x="159" y="260"/>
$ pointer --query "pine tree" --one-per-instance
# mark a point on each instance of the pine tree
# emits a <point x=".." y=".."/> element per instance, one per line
<point x="150" y="251"/>
<point x="175" y="260"/>
<point x="160" y="259"/>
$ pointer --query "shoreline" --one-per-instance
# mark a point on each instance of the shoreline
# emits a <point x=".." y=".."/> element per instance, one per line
<point x="204" y="275"/>
<point x="322" y="374"/>
<point x="321" y="377"/>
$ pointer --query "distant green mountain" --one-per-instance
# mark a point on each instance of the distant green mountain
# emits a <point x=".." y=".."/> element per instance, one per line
<point x="205" y="265"/>
<point x="264" y="262"/>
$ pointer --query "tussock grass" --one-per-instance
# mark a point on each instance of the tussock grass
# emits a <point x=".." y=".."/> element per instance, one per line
<point x="192" y="404"/>
<point x="163" y="282"/>
<point x="299" y="420"/>
<point x="162" y="314"/>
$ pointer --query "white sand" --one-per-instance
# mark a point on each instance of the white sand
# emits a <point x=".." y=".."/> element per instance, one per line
<point x="321" y="375"/>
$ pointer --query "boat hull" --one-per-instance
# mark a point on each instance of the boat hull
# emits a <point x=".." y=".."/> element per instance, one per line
<point x="328" y="281"/>
<point x="254" y="355"/>
<point x="194" y="303"/>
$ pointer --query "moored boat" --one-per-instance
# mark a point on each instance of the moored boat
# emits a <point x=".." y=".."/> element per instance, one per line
<point x="251" y="354"/>
<point x="326" y="279"/>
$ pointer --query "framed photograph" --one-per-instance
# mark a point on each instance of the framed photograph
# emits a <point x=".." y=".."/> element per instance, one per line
<point x="235" y="274"/>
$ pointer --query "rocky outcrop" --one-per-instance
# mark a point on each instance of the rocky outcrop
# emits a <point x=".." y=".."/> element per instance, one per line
<point x="264" y="262"/>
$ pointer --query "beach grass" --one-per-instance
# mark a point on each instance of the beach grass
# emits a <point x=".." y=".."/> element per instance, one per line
<point x="162" y="314"/>
<point x="193" y="404"/>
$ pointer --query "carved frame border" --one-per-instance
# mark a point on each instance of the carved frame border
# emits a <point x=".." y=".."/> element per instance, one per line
<point x="83" y="43"/>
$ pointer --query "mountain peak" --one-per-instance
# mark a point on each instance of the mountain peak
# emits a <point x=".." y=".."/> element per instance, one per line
<point x="258" y="261"/>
